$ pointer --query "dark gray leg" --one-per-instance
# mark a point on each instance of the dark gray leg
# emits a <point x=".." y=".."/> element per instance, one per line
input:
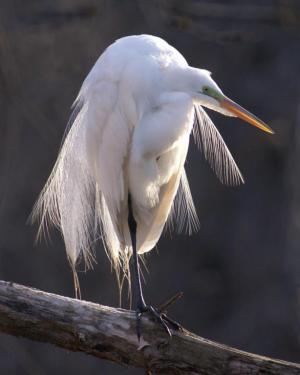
<point x="137" y="293"/>
<point x="139" y="301"/>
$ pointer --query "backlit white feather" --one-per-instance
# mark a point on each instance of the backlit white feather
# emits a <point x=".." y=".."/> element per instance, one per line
<point x="211" y="143"/>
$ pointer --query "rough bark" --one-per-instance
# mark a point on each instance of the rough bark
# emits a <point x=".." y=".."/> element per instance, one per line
<point x="109" y="333"/>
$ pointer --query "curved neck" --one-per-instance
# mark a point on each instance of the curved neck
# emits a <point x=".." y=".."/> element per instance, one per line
<point x="186" y="79"/>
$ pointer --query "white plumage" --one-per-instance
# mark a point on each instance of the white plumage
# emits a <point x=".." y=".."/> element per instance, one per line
<point x="130" y="133"/>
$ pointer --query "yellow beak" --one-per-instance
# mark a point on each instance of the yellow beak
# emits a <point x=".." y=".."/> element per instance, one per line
<point x="245" y="115"/>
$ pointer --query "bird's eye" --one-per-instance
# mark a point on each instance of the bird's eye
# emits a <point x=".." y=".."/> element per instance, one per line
<point x="209" y="91"/>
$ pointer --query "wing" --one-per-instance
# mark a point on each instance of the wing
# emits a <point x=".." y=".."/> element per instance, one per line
<point x="84" y="193"/>
<point x="183" y="215"/>
<point x="214" y="149"/>
<point x="184" y="209"/>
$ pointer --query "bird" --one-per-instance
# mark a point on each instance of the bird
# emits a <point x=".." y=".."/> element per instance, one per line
<point x="120" y="176"/>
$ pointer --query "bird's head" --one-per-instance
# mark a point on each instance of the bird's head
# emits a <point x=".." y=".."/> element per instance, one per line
<point x="207" y="93"/>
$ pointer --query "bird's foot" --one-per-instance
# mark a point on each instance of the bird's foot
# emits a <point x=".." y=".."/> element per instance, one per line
<point x="159" y="316"/>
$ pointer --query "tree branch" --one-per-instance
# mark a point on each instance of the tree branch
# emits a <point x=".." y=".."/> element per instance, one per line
<point x="110" y="333"/>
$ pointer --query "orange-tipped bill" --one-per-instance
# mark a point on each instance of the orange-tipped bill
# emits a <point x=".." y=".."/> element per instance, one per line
<point x="242" y="113"/>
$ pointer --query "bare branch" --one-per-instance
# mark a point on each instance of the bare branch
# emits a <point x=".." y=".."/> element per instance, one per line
<point x="110" y="333"/>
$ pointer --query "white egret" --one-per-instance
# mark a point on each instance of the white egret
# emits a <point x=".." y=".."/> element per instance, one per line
<point x="122" y="160"/>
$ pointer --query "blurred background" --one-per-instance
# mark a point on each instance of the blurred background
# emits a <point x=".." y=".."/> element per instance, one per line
<point x="240" y="272"/>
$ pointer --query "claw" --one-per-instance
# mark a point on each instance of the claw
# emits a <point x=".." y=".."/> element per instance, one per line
<point x="176" y="326"/>
<point x="159" y="317"/>
<point x="162" y="318"/>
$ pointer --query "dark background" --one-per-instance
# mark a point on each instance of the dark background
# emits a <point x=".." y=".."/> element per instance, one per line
<point x="239" y="273"/>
